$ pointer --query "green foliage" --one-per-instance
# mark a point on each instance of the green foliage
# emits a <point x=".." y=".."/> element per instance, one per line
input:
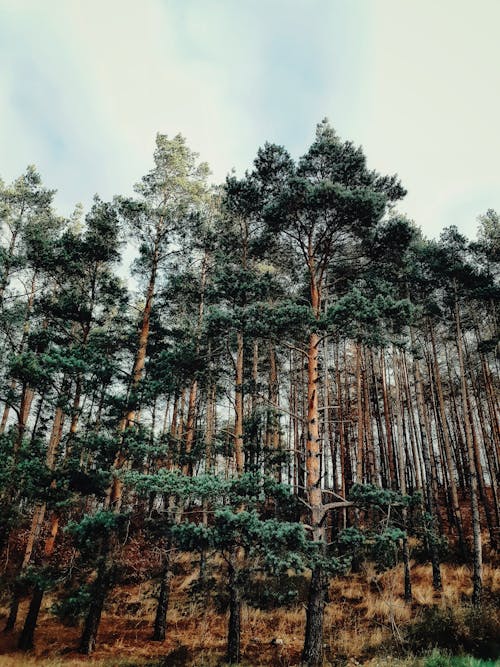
<point x="369" y="318"/>
<point x="378" y="540"/>
<point x="426" y="530"/>
<point x="385" y="550"/>
<point x="282" y="590"/>
<point x="95" y="530"/>
<point x="369" y="496"/>
<point x="73" y="607"/>
<point x="44" y="577"/>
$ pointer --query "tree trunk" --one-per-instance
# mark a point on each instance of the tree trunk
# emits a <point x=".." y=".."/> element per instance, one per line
<point x="430" y="493"/>
<point x="210" y="426"/>
<point x="116" y="490"/>
<point x="312" y="654"/>
<point x="412" y="431"/>
<point x="372" y="473"/>
<point x="20" y="349"/>
<point x="24" y="411"/>
<point x="388" y="425"/>
<point x="239" y="455"/>
<point x="234" y="624"/>
<point x="345" y="464"/>
<point x="316" y="603"/>
<point x="14" y="607"/>
<point x="187" y="468"/>
<point x="476" y="524"/>
<point x="447" y="446"/>
<point x="100" y="590"/>
<point x="4" y="281"/>
<point x="38" y="514"/>
<point x="273" y="426"/>
<point x="360" y="420"/>
<point x="402" y="483"/>
<point x="163" y="599"/>
<point x="25" y="642"/>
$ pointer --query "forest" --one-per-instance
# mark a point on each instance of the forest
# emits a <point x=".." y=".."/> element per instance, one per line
<point x="254" y="423"/>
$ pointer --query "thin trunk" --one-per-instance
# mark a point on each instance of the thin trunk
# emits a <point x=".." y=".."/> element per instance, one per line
<point x="8" y="258"/>
<point x="210" y="427"/>
<point x="461" y="450"/>
<point x="388" y="424"/>
<point x="26" y="639"/>
<point x="20" y="349"/>
<point x="38" y="516"/>
<point x="329" y="417"/>
<point x="476" y="524"/>
<point x="447" y="446"/>
<point x="360" y="421"/>
<point x="27" y="396"/>
<point x="345" y="475"/>
<point x="187" y="468"/>
<point x="430" y="494"/>
<point x="402" y="485"/>
<point x="239" y="455"/>
<point x="367" y="418"/>
<point x="273" y="435"/>
<point x="416" y="451"/>
<point x="116" y="491"/>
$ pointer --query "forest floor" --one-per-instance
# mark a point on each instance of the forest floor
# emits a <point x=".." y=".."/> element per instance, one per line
<point x="366" y="620"/>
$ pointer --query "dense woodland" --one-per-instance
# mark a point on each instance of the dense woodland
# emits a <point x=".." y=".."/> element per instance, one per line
<point x="291" y="378"/>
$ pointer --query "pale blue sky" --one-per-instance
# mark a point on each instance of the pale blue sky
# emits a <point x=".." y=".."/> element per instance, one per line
<point x="86" y="84"/>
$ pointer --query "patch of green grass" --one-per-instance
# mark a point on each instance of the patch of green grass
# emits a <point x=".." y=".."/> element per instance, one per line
<point x="437" y="659"/>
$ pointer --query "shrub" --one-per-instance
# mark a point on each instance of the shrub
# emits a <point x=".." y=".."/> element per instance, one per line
<point x="70" y="610"/>
<point x="469" y="629"/>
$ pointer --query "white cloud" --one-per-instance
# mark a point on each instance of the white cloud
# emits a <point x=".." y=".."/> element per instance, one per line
<point x="433" y="105"/>
<point x="86" y="85"/>
<point x="91" y="83"/>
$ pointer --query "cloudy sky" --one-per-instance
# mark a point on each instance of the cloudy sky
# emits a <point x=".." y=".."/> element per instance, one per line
<point x="86" y="84"/>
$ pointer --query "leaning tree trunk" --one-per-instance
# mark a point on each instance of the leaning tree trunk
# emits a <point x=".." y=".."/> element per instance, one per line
<point x="100" y="590"/>
<point x="115" y="492"/>
<point x="25" y="642"/>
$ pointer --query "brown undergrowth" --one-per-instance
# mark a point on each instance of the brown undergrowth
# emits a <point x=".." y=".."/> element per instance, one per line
<point x="365" y="616"/>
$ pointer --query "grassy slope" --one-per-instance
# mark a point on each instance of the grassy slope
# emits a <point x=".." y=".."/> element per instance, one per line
<point x="366" y="618"/>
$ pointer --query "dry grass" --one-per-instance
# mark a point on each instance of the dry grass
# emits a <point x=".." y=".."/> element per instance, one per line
<point x="365" y="612"/>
